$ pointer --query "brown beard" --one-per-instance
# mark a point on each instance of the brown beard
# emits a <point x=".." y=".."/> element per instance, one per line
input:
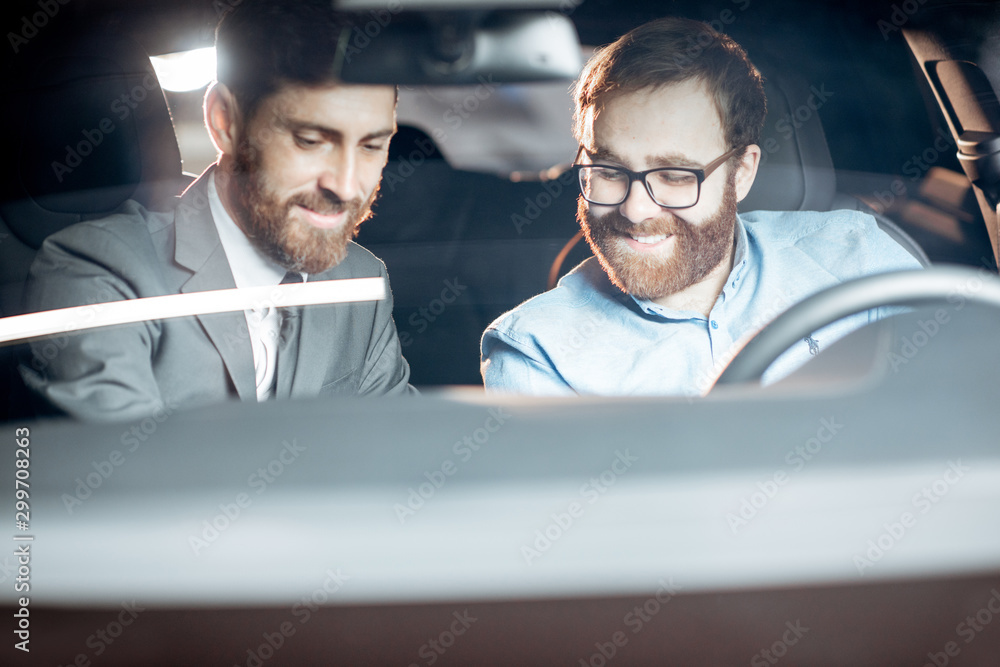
<point x="293" y="243"/>
<point x="697" y="248"/>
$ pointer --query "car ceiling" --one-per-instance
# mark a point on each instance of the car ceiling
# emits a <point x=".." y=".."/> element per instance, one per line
<point x="826" y="42"/>
<point x="165" y="26"/>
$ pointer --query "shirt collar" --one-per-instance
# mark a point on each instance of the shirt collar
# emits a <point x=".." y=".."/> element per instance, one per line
<point x="739" y="264"/>
<point x="740" y="252"/>
<point x="250" y="267"/>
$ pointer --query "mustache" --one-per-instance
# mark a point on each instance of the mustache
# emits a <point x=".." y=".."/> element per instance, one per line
<point x="324" y="203"/>
<point x="614" y="222"/>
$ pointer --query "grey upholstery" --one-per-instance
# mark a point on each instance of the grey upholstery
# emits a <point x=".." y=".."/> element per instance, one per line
<point x="796" y="171"/>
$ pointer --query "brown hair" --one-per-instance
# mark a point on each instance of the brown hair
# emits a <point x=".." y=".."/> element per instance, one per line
<point x="672" y="50"/>
<point x="264" y="44"/>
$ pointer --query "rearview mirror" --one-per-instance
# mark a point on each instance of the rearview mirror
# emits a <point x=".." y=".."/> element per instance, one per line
<point x="459" y="47"/>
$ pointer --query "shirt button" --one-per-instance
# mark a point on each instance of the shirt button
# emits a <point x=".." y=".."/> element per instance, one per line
<point x="715" y="325"/>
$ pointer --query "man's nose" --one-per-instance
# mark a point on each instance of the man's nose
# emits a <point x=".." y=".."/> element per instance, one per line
<point x="638" y="205"/>
<point x="339" y="175"/>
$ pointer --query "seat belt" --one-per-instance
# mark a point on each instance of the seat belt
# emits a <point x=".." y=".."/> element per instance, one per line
<point x="972" y="111"/>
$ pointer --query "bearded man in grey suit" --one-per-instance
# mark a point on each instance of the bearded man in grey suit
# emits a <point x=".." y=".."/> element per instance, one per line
<point x="300" y="160"/>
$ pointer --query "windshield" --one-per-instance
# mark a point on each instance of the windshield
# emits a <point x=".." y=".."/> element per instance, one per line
<point x="496" y="335"/>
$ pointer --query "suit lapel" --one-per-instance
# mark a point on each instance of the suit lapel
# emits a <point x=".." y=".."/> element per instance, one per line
<point x="317" y="335"/>
<point x="200" y="251"/>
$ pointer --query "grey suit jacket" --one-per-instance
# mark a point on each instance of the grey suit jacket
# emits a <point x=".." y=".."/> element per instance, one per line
<point x="132" y="371"/>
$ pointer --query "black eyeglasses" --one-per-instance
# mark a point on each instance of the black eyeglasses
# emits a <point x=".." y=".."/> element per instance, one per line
<point x="669" y="187"/>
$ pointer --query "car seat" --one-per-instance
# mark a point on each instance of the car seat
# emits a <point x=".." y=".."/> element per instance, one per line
<point x="87" y="128"/>
<point x="796" y="171"/>
<point x="461" y="248"/>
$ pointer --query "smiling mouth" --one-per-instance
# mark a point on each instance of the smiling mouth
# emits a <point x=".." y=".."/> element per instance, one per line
<point x="649" y="240"/>
<point x="646" y="243"/>
<point x="323" y="220"/>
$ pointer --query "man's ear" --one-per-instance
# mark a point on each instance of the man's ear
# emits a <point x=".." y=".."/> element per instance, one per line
<point x="746" y="171"/>
<point x="222" y="118"/>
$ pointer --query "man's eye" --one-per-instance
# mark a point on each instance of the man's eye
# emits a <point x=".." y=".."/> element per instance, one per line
<point x="306" y="142"/>
<point x="374" y="148"/>
<point x="608" y="174"/>
<point x="675" y="178"/>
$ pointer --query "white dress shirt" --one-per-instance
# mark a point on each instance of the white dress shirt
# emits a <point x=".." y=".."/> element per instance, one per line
<point x="251" y="268"/>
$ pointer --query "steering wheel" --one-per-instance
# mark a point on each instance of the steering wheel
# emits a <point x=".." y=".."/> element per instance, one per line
<point x="916" y="287"/>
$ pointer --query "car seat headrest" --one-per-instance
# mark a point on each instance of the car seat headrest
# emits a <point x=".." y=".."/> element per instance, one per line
<point x="93" y="130"/>
<point x="413" y="144"/>
<point x="796" y="171"/>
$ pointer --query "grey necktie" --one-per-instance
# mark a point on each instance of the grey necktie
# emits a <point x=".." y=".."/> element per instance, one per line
<point x="269" y="328"/>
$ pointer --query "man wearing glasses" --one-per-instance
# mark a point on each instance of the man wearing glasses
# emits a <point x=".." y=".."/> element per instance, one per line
<point x="679" y="281"/>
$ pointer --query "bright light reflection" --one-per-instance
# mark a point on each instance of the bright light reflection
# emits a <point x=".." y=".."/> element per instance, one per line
<point x="185" y="70"/>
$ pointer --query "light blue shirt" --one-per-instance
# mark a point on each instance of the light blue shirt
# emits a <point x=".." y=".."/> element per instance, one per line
<point x="586" y="336"/>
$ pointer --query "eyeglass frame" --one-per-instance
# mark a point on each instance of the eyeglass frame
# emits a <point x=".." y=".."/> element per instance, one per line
<point x="633" y="176"/>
